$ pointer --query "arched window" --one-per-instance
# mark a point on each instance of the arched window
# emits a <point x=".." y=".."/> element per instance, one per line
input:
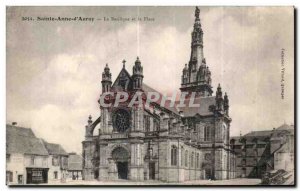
<point x="182" y="156"/>
<point x="192" y="159"/>
<point x="147" y="123"/>
<point x="197" y="160"/>
<point x="174" y="155"/>
<point x="224" y="133"/>
<point x="206" y="133"/>
<point x="207" y="156"/>
<point x="186" y="158"/>
<point x="155" y="125"/>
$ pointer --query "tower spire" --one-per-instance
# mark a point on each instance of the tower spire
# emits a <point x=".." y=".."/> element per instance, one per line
<point x="196" y="47"/>
<point x="197" y="77"/>
<point x="197" y="38"/>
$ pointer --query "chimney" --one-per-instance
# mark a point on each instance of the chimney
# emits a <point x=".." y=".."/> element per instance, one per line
<point x="14" y="123"/>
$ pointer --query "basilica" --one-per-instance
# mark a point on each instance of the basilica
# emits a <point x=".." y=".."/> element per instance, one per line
<point x="163" y="143"/>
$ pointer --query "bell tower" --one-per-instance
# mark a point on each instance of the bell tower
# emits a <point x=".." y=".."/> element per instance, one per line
<point x="196" y="76"/>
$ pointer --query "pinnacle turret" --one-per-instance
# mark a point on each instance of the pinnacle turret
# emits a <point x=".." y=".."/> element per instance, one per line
<point x="137" y="74"/>
<point x="106" y="79"/>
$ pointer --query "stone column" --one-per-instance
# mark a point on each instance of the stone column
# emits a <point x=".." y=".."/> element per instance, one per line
<point x="146" y="170"/>
<point x="106" y="121"/>
<point x="163" y="160"/>
<point x="136" y="167"/>
<point x="89" y="149"/>
<point x="112" y="170"/>
<point x="164" y="125"/>
<point x="137" y="161"/>
<point x="103" y="163"/>
<point x="137" y="119"/>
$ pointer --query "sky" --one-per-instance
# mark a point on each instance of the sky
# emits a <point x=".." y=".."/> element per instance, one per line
<point x="53" y="69"/>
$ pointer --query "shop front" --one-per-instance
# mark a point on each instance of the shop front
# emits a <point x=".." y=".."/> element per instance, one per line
<point x="37" y="175"/>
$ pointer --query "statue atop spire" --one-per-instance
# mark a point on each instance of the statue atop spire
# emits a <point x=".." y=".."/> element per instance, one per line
<point x="197" y="13"/>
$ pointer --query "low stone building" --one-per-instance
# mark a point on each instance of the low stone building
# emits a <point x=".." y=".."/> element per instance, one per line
<point x="75" y="166"/>
<point x="26" y="157"/>
<point x="258" y="152"/>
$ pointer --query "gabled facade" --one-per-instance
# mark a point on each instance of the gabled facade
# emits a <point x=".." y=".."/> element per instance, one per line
<point x="26" y="157"/>
<point x="57" y="161"/>
<point x="166" y="143"/>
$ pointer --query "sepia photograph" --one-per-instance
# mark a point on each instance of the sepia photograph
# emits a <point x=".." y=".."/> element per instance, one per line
<point x="150" y="96"/>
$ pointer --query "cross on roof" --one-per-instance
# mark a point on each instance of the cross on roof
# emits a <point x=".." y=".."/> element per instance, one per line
<point x="124" y="61"/>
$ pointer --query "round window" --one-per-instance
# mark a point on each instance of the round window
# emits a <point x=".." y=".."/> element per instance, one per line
<point x="121" y="120"/>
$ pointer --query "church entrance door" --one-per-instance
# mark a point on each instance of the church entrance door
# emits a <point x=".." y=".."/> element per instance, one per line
<point x="207" y="174"/>
<point x="151" y="170"/>
<point x="121" y="158"/>
<point x="122" y="170"/>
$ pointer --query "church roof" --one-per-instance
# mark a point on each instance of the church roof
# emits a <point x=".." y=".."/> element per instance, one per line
<point x="203" y="110"/>
<point x="22" y="140"/>
<point x="204" y="102"/>
<point x="148" y="89"/>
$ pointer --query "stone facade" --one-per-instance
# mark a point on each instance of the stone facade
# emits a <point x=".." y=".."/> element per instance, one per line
<point x="259" y="152"/>
<point x="283" y="147"/>
<point x="171" y="144"/>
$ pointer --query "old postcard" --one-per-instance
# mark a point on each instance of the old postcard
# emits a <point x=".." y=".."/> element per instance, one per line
<point x="150" y="96"/>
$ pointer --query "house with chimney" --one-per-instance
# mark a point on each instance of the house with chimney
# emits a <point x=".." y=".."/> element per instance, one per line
<point x="29" y="159"/>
